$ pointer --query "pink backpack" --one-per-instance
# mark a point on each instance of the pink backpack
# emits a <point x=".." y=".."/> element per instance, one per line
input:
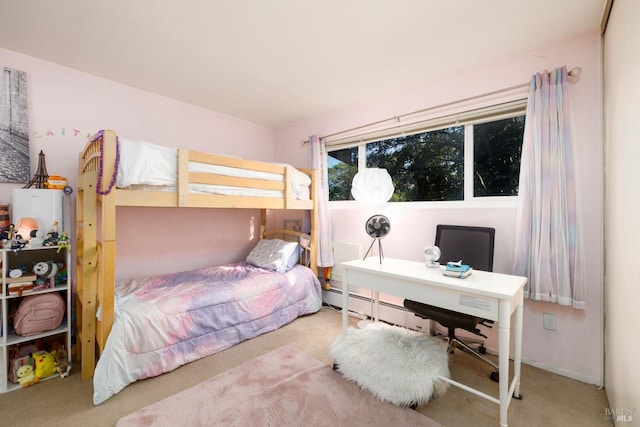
<point x="39" y="313"/>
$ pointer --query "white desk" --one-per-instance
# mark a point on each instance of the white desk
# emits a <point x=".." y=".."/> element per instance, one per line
<point x="491" y="296"/>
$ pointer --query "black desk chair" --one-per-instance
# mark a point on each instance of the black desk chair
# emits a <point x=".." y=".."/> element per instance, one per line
<point x="474" y="246"/>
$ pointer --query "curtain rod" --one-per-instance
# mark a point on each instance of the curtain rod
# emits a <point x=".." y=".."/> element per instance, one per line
<point x="575" y="72"/>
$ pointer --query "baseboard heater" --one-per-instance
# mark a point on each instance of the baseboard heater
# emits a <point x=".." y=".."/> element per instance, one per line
<point x="360" y="307"/>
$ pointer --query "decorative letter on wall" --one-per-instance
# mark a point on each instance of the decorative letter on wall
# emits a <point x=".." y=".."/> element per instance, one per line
<point x="14" y="126"/>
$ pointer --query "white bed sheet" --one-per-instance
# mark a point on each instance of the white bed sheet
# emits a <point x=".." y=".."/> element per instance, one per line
<point x="303" y="193"/>
<point x="159" y="171"/>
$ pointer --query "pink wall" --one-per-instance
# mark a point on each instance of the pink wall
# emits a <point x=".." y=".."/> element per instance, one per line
<point x="61" y="98"/>
<point x="575" y="349"/>
<point x="66" y="105"/>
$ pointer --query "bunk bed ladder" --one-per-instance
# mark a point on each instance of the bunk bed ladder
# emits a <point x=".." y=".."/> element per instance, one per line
<point x="106" y="276"/>
<point x="92" y="252"/>
<point x="86" y="272"/>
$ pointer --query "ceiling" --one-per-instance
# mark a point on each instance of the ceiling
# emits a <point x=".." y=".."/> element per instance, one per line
<point x="275" y="62"/>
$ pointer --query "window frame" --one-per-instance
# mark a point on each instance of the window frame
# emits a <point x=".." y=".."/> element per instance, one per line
<point x="468" y="119"/>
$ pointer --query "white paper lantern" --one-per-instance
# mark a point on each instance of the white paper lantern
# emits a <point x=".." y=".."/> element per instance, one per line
<point x="373" y="186"/>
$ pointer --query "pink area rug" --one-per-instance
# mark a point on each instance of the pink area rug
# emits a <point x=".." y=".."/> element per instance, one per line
<point x="285" y="387"/>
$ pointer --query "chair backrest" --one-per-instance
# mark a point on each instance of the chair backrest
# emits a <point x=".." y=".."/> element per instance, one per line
<point x="472" y="245"/>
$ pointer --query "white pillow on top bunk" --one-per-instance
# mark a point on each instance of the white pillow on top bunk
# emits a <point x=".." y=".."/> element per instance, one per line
<point x="274" y="254"/>
<point x="299" y="183"/>
<point x="146" y="163"/>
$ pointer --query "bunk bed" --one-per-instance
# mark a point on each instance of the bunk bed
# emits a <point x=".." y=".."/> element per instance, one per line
<point x="188" y="179"/>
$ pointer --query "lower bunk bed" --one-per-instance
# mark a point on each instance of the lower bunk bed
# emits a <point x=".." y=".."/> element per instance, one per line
<point x="146" y="326"/>
<point x="163" y="322"/>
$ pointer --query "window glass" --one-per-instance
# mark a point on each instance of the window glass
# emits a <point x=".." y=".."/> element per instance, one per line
<point x="431" y="165"/>
<point x="497" y="147"/>
<point x="427" y="166"/>
<point x="342" y="165"/>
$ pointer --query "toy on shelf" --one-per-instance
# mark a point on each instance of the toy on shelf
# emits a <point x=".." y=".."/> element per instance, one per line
<point x="26" y="375"/>
<point x="46" y="272"/>
<point x="41" y="177"/>
<point x="51" y="239"/>
<point x="45" y="364"/>
<point x="56" y="182"/>
<point x="18" y="243"/>
<point x="62" y="362"/>
<point x="63" y="241"/>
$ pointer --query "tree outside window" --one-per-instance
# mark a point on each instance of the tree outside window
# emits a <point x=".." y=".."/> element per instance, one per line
<point x="497" y="147"/>
<point x="430" y="165"/>
<point x="426" y="166"/>
<point x="342" y="167"/>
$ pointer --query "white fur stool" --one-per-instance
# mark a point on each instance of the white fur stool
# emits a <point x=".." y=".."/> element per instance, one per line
<point x="395" y="364"/>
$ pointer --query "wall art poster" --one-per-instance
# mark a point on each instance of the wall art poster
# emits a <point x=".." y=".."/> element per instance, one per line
<point x="14" y="126"/>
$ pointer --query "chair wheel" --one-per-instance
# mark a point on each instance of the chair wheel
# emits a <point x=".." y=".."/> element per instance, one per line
<point x="495" y="376"/>
<point x="482" y="349"/>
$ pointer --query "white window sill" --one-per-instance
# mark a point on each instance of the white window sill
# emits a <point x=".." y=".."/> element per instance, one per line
<point x="507" y="202"/>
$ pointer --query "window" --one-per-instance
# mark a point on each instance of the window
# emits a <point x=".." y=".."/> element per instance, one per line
<point x="479" y="158"/>
<point x="342" y="165"/>
<point x="497" y="147"/>
<point x="427" y="166"/>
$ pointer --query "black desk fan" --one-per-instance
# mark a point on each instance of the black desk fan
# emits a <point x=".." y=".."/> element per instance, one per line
<point x="377" y="226"/>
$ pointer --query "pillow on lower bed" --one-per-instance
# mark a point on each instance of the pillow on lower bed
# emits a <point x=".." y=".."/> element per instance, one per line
<point x="274" y="254"/>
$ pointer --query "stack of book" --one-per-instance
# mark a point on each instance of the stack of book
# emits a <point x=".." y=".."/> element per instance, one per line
<point x="457" y="269"/>
<point x="20" y="285"/>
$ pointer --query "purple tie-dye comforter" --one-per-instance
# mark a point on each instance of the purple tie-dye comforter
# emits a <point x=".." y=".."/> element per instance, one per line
<point x="162" y="322"/>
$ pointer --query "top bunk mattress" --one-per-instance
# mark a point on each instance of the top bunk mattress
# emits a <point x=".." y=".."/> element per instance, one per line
<point x="158" y="172"/>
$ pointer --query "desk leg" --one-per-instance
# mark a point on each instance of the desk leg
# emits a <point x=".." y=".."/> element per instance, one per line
<point x="345" y="303"/>
<point x="503" y="360"/>
<point x="376" y="303"/>
<point x="517" y="351"/>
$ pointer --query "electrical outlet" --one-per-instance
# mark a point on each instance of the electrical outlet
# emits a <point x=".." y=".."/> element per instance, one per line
<point x="549" y="321"/>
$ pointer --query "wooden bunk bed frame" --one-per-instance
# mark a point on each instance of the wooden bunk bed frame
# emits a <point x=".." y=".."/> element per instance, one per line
<point x="98" y="197"/>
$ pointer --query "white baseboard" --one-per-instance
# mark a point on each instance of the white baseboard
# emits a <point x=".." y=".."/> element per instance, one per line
<point x="563" y="372"/>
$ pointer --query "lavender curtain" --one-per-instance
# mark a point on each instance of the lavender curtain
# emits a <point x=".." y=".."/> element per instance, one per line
<point x="548" y="237"/>
<point x="318" y="161"/>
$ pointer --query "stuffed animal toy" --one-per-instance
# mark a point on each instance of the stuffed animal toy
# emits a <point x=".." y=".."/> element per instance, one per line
<point x="62" y="362"/>
<point x="56" y="182"/>
<point x="26" y="375"/>
<point x="45" y="364"/>
<point x="46" y="271"/>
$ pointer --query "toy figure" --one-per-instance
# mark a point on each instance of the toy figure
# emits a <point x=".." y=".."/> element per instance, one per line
<point x="63" y="241"/>
<point x="26" y="375"/>
<point x="51" y="239"/>
<point x="62" y="362"/>
<point x="18" y="243"/>
<point x="45" y="364"/>
<point x="47" y="271"/>
<point x="52" y="235"/>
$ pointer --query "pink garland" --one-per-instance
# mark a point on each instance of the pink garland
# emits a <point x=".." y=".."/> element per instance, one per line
<point x="100" y="137"/>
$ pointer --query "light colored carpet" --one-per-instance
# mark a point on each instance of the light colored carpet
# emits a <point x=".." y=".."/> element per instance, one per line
<point x="549" y="400"/>
<point x="285" y="387"/>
